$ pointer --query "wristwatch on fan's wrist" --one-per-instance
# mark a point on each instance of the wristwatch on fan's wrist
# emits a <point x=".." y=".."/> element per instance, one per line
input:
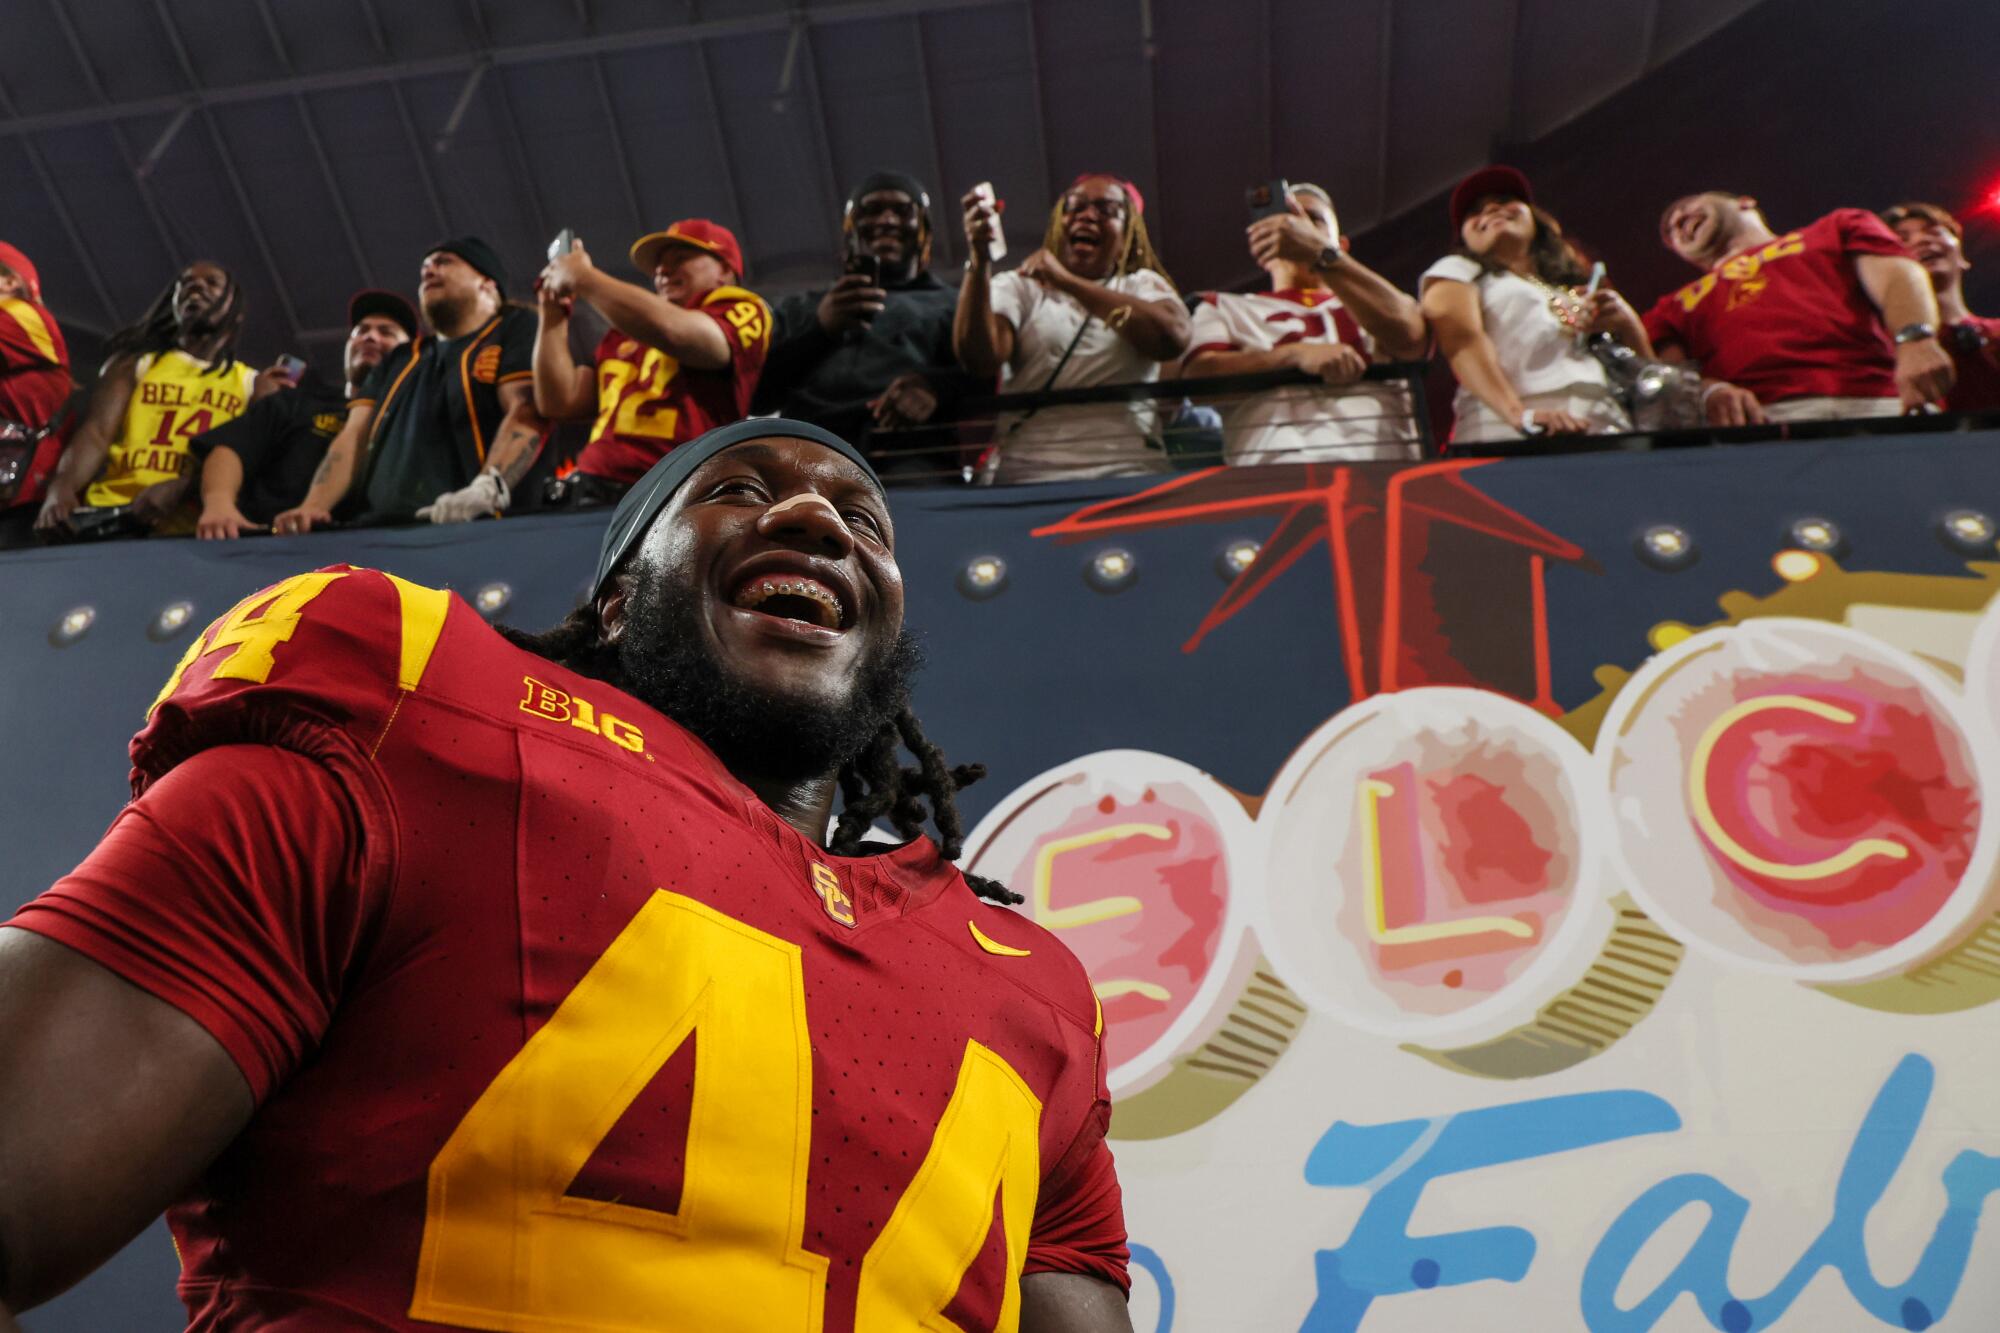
<point x="1911" y="333"/>
<point x="1330" y="256"/>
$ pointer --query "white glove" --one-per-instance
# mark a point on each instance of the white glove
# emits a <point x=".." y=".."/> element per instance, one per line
<point x="486" y="497"/>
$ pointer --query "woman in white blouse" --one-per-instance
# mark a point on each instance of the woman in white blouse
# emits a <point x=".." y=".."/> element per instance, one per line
<point x="1092" y="306"/>
<point x="1510" y="314"/>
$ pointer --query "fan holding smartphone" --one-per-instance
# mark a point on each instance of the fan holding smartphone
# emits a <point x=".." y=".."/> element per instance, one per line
<point x="869" y="356"/>
<point x="1327" y="316"/>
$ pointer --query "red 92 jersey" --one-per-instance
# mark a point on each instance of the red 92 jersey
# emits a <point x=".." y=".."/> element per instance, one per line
<point x="553" y="1025"/>
<point x="648" y="402"/>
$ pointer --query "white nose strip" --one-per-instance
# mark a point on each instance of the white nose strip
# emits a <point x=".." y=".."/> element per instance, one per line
<point x="806" y="500"/>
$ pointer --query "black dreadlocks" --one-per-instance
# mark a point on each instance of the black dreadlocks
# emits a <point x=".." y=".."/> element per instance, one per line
<point x="159" y="330"/>
<point x="874" y="784"/>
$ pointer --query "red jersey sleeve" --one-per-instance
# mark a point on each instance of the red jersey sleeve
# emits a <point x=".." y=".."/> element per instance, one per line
<point x="1079" y="1224"/>
<point x="746" y="325"/>
<point x="30" y="336"/>
<point x="1663" y="321"/>
<point x="1862" y="233"/>
<point x="238" y="889"/>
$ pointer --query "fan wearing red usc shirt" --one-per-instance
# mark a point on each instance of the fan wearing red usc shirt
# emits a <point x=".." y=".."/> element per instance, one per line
<point x="446" y="976"/>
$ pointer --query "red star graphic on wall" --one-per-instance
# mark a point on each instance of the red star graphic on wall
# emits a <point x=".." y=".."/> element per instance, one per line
<point x="1389" y="529"/>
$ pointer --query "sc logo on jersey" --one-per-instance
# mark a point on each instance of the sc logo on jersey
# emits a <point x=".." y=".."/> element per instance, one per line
<point x="827" y="885"/>
<point x="553" y="705"/>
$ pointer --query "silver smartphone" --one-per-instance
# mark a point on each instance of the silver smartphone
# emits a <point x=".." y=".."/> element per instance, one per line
<point x="564" y="242"/>
<point x="294" y="367"/>
<point x="996" y="248"/>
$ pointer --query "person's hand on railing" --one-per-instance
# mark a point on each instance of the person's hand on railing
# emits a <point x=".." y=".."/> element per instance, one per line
<point x="1924" y="373"/>
<point x="304" y="518"/>
<point x="909" y="401"/>
<point x="223" y="522"/>
<point x="851" y="303"/>
<point x="57" y="506"/>
<point x="1559" y="423"/>
<point x="1725" y="404"/>
<point x="982" y="224"/>
<point x="1335" y="363"/>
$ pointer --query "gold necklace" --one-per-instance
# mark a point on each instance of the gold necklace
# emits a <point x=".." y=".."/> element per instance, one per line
<point x="1564" y="303"/>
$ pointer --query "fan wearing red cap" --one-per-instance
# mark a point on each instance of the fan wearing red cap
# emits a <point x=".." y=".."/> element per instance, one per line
<point x="1092" y="306"/>
<point x="1510" y="308"/>
<point x="679" y="359"/>
<point x="34" y="384"/>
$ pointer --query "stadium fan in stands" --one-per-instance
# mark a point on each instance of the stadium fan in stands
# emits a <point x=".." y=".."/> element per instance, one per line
<point x="1832" y="320"/>
<point x="166" y="379"/>
<point x="1935" y="240"/>
<point x="445" y="427"/>
<point x="870" y="357"/>
<point x="418" y="934"/>
<point x="1326" y="314"/>
<point x="1092" y="306"/>
<point x="261" y="464"/>
<point x="34" y="386"/>
<point x="1509" y="316"/>
<point x="678" y="359"/>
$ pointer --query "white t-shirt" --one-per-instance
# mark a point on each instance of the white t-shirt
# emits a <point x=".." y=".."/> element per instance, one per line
<point x="1300" y="423"/>
<point x="1088" y="440"/>
<point x="1537" y="353"/>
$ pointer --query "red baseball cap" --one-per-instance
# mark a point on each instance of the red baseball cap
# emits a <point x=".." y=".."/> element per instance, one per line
<point x="23" y="269"/>
<point x="1485" y="181"/>
<point x="700" y="233"/>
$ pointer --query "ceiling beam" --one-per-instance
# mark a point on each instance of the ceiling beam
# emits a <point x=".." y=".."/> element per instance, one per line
<point x="1385" y="67"/>
<point x="510" y="131"/>
<point x="1049" y="189"/>
<point x="363" y="272"/>
<point x="170" y="243"/>
<point x="1267" y="38"/>
<point x="536" y="53"/>
<point x="84" y="257"/>
<point x="222" y="155"/>
<point x="625" y="176"/>
<point x="953" y="234"/>
<point x="816" y="108"/>
<point x="738" y="214"/>
<point x="379" y="37"/>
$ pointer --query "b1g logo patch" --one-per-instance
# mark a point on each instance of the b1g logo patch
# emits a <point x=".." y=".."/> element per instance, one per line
<point x="550" y="704"/>
<point x="486" y="366"/>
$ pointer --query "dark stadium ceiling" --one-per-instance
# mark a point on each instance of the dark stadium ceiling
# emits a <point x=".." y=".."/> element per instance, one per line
<point x="318" y="146"/>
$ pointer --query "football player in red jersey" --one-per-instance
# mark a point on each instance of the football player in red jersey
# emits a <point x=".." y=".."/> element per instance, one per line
<point x="435" y="977"/>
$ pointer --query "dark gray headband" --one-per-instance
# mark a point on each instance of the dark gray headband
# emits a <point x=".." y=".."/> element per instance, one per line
<point x="649" y="495"/>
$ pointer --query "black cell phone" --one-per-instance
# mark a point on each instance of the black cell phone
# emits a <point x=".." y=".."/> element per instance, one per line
<point x="88" y="523"/>
<point x="1269" y="199"/>
<point x="867" y="266"/>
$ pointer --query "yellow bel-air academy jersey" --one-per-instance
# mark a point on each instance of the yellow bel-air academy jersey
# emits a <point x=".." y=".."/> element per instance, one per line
<point x="176" y="398"/>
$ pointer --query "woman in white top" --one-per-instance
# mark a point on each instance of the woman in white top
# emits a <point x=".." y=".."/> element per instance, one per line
<point x="1092" y="306"/>
<point x="1508" y="315"/>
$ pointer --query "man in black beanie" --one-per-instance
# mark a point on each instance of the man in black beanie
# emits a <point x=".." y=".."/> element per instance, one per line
<point x="445" y="427"/>
<point x="870" y="357"/>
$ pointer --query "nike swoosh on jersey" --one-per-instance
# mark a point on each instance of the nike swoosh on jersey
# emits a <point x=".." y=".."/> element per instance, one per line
<point x="994" y="946"/>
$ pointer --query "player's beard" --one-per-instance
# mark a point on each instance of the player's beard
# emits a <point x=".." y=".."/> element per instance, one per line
<point x="667" y="663"/>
